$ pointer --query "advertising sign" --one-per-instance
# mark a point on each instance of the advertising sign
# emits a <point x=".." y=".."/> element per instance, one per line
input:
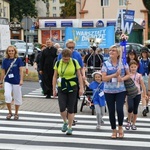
<point x="81" y="36"/>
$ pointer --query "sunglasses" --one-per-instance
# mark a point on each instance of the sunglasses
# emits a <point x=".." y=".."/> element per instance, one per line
<point x="71" y="47"/>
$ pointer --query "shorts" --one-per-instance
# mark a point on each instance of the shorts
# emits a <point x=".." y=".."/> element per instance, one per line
<point x="145" y="79"/>
<point x="67" y="101"/>
<point x="13" y="91"/>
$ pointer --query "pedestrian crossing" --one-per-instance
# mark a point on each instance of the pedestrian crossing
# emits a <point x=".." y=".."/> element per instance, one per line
<point x="42" y="131"/>
<point x="35" y="94"/>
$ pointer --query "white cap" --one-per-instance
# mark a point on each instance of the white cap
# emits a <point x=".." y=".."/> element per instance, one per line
<point x="96" y="72"/>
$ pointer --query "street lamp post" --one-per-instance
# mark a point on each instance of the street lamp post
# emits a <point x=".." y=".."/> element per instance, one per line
<point x="47" y="7"/>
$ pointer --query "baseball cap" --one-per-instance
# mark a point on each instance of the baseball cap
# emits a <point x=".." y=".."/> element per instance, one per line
<point x="144" y="49"/>
<point x="132" y="51"/>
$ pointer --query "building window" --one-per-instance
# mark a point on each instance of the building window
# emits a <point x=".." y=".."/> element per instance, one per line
<point x="54" y="8"/>
<point x="122" y="2"/>
<point x="104" y="2"/>
<point x="54" y="15"/>
<point x="54" y="1"/>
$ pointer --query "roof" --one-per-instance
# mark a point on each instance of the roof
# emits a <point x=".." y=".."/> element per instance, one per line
<point x="137" y="26"/>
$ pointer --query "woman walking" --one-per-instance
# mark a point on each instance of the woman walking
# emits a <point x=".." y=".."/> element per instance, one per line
<point x="112" y="74"/>
<point x="67" y="87"/>
<point x="12" y="74"/>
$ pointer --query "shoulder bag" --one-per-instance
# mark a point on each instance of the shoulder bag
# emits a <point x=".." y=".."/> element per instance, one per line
<point x="131" y="88"/>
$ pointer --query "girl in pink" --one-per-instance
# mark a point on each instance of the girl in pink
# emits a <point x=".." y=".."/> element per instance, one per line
<point x="133" y="103"/>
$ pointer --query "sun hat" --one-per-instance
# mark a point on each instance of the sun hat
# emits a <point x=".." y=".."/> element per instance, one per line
<point x="96" y="72"/>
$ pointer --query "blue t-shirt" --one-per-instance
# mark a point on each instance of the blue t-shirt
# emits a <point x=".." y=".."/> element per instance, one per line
<point x="76" y="55"/>
<point x="98" y="95"/>
<point x="143" y="69"/>
<point x="13" y="76"/>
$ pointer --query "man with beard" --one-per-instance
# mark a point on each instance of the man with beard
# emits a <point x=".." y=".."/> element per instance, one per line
<point x="46" y="67"/>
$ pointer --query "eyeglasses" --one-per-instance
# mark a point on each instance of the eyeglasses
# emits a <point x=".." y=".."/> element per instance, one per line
<point x="71" y="47"/>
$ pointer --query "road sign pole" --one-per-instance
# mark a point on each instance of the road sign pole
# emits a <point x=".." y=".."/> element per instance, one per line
<point x="26" y="25"/>
<point x="26" y="48"/>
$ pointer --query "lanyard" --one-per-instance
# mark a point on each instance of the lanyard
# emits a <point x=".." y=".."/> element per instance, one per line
<point x="63" y="71"/>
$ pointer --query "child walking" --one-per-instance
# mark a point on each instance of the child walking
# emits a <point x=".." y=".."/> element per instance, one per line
<point x="98" y="96"/>
<point x="133" y="103"/>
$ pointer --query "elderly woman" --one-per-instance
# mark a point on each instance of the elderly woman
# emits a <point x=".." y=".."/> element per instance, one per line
<point x="12" y="74"/>
<point x="113" y="74"/>
<point x="67" y="82"/>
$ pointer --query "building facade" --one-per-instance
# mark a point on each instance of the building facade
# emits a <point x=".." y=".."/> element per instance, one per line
<point x="4" y="9"/>
<point x="108" y="9"/>
<point x="52" y="8"/>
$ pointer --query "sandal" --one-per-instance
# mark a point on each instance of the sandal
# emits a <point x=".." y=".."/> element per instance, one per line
<point x="114" y="134"/>
<point x="8" y="117"/>
<point x="16" y="117"/>
<point x="121" y="133"/>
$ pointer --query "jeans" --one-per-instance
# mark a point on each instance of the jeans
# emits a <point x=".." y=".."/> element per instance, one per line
<point x="115" y="102"/>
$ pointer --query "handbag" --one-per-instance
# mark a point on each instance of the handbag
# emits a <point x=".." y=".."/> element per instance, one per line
<point x="131" y="88"/>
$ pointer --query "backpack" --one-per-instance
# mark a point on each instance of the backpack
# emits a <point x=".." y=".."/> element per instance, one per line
<point x="74" y="63"/>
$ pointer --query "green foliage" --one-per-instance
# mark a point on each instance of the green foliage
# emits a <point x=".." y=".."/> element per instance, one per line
<point x="20" y="8"/>
<point x="69" y="8"/>
<point x="147" y="4"/>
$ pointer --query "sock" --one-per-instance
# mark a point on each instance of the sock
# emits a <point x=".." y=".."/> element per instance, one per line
<point x="144" y="107"/>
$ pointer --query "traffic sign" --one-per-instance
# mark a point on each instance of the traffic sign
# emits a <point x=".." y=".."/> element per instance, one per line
<point x="26" y="23"/>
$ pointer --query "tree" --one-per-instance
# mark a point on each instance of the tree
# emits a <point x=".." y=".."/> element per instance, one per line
<point x="147" y="4"/>
<point x="69" y="8"/>
<point x="20" y="8"/>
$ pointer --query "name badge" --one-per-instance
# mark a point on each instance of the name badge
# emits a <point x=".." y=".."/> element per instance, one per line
<point x="10" y="76"/>
<point x="114" y="80"/>
<point x="101" y="94"/>
<point x="59" y="80"/>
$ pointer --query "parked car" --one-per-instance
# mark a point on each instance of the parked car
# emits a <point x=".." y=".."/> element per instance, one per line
<point x="14" y="41"/>
<point x="21" y="47"/>
<point x="136" y="46"/>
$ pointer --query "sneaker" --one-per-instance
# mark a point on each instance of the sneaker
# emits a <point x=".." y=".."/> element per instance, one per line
<point x="102" y="121"/>
<point x="64" y="127"/>
<point x="98" y="127"/>
<point x="69" y="132"/>
<point x="74" y="122"/>
<point x="147" y="109"/>
<point x="128" y="126"/>
<point x="133" y="127"/>
<point x="144" y="112"/>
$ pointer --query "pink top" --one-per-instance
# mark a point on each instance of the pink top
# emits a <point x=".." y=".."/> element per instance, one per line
<point x="137" y="80"/>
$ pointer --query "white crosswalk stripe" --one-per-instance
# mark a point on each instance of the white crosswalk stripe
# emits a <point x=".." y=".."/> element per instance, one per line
<point x="42" y="131"/>
<point x="36" y="93"/>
